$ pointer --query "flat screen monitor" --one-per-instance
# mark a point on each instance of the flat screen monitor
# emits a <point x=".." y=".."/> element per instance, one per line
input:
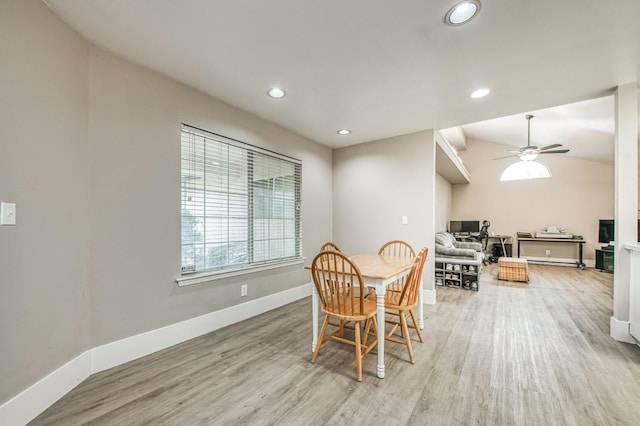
<point x="455" y="226"/>
<point x="465" y="226"/>
<point x="606" y="231"/>
<point x="470" y="226"/>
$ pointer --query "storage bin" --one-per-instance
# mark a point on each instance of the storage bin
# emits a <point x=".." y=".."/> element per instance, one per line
<point x="513" y="269"/>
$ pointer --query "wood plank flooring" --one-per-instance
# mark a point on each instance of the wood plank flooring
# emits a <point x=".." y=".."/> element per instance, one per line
<point x="510" y="354"/>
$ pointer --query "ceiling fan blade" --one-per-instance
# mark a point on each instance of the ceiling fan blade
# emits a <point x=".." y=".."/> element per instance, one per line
<point x="555" y="145"/>
<point x="508" y="156"/>
<point x="555" y="151"/>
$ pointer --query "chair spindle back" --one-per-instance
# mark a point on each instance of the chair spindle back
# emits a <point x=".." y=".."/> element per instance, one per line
<point x="339" y="284"/>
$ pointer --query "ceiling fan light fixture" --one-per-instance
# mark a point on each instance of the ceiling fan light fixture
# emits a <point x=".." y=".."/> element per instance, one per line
<point x="462" y="12"/>
<point x="523" y="170"/>
<point x="530" y="156"/>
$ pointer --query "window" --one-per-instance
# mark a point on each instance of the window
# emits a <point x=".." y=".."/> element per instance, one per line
<point x="240" y="204"/>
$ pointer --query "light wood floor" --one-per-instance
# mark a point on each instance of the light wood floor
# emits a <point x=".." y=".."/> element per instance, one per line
<point x="511" y="353"/>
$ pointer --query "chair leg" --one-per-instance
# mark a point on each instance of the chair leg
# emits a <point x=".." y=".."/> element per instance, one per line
<point x="407" y="339"/>
<point x="371" y="322"/>
<point x="320" y="338"/>
<point x="367" y="329"/>
<point x="358" y="351"/>
<point x="415" y="325"/>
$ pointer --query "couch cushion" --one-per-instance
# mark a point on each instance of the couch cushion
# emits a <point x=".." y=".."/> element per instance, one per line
<point x="445" y="239"/>
<point x="469" y="245"/>
<point x="445" y="251"/>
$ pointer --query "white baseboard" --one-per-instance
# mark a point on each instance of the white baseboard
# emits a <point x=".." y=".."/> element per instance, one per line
<point x="559" y="261"/>
<point x="428" y="296"/>
<point x="125" y="350"/>
<point x="28" y="404"/>
<point x="619" y="330"/>
<point x="25" y="406"/>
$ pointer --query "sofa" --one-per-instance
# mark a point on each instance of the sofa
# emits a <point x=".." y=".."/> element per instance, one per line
<point x="457" y="264"/>
<point x="450" y="250"/>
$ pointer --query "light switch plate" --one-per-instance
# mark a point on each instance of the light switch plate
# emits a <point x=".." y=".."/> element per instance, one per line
<point x="7" y="214"/>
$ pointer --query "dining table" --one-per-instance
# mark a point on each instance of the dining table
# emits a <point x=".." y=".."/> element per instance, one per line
<point x="378" y="271"/>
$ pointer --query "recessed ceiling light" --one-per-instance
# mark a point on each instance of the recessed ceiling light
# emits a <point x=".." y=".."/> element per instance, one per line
<point x="344" y="132"/>
<point x="480" y="93"/>
<point x="276" y="92"/>
<point x="462" y="12"/>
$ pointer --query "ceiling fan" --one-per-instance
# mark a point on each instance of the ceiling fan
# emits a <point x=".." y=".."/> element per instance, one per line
<point x="531" y="152"/>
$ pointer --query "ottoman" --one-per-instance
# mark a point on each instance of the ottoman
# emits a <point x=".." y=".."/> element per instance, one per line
<point x="513" y="269"/>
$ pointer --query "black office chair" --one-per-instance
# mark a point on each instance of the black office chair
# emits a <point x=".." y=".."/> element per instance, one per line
<point x="483" y="236"/>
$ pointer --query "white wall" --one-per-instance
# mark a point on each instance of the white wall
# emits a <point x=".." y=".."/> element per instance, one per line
<point x="626" y="201"/>
<point x="578" y="194"/>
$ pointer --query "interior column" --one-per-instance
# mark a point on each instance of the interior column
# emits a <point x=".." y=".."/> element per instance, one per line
<point x="626" y="204"/>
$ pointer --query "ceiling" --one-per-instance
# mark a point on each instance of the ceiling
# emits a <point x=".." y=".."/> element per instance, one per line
<point x="383" y="68"/>
<point x="585" y="128"/>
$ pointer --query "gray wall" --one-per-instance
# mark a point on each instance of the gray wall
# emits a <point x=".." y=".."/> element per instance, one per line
<point x="377" y="183"/>
<point x="444" y="203"/>
<point x="134" y="180"/>
<point x="44" y="285"/>
<point x="90" y="148"/>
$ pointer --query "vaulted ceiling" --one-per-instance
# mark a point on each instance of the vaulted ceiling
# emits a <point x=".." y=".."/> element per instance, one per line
<point x="383" y="68"/>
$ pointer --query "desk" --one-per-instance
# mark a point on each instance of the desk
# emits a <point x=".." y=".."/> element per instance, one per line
<point x="503" y="240"/>
<point x="579" y="242"/>
<point x="467" y="236"/>
<point x="378" y="271"/>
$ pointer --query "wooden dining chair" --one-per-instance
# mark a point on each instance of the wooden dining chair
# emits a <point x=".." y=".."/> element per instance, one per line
<point x="334" y="247"/>
<point x="330" y="246"/>
<point x="335" y="277"/>
<point x="397" y="248"/>
<point x="400" y="304"/>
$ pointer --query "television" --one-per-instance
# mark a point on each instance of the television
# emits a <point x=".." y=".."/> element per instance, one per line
<point x="606" y="231"/>
<point x="470" y="226"/>
<point x="464" y="226"/>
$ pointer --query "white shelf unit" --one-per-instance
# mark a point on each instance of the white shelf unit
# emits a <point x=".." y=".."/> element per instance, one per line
<point x="457" y="274"/>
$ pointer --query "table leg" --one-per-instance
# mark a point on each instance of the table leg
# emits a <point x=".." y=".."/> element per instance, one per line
<point x="314" y="314"/>
<point x="518" y="248"/>
<point x="380" y="292"/>
<point x="580" y="262"/>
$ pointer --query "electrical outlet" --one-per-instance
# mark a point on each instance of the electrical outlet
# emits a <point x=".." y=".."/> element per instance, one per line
<point x="548" y="252"/>
<point x="243" y="290"/>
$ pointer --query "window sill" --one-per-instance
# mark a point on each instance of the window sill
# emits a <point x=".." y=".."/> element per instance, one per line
<point x="202" y="277"/>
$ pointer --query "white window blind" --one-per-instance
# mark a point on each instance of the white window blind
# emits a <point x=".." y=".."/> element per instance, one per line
<point x="240" y="204"/>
